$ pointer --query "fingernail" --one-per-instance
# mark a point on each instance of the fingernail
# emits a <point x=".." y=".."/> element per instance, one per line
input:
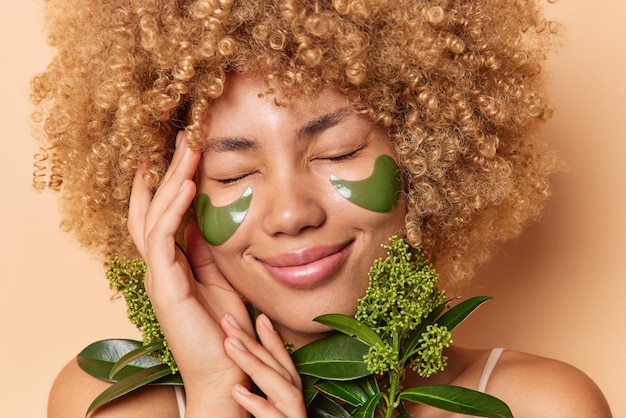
<point x="242" y="390"/>
<point x="235" y="341"/>
<point x="179" y="137"/>
<point x="266" y="322"/>
<point x="232" y="321"/>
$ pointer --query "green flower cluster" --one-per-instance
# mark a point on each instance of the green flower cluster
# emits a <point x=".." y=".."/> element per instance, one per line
<point x="401" y="291"/>
<point x="400" y="295"/>
<point x="381" y="358"/>
<point x="127" y="277"/>
<point x="430" y="358"/>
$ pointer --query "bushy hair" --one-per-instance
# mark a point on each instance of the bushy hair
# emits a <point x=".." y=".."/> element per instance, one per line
<point x="457" y="84"/>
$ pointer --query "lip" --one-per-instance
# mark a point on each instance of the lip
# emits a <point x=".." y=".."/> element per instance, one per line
<point x="306" y="267"/>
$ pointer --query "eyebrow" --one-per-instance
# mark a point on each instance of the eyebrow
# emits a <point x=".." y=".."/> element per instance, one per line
<point x="317" y="125"/>
<point x="229" y="143"/>
<point x="307" y="131"/>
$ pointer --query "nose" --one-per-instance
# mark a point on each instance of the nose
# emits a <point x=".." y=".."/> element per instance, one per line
<point x="293" y="205"/>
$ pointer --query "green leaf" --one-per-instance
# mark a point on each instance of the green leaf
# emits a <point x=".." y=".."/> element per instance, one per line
<point x="369" y="408"/>
<point x="458" y="313"/>
<point x="129" y="384"/>
<point x="98" y="358"/>
<point x="458" y="399"/>
<point x="351" y="327"/>
<point x="323" y="407"/>
<point x="308" y="381"/>
<point x="349" y="392"/>
<point x="134" y="355"/>
<point x="307" y="388"/>
<point x="369" y="384"/>
<point x="336" y="357"/>
<point x="309" y="395"/>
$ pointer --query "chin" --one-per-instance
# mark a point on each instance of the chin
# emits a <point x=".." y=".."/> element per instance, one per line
<point x="301" y="333"/>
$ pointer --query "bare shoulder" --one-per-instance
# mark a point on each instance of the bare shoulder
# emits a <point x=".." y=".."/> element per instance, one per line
<point x="74" y="390"/>
<point x="534" y="386"/>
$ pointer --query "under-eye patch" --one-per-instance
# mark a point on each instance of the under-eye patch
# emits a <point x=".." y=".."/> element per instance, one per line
<point x="380" y="192"/>
<point x="218" y="224"/>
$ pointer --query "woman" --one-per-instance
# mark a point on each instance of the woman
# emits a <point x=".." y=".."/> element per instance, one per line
<point x="275" y="98"/>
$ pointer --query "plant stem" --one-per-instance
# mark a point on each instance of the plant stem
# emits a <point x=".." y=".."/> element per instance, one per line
<point x="394" y="380"/>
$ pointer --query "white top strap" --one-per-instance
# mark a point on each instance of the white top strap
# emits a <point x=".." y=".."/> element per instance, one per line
<point x="494" y="356"/>
<point x="180" y="400"/>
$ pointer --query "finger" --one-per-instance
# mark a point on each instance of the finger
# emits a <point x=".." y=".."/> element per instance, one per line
<point x="183" y="168"/>
<point x="178" y="164"/>
<point x="254" y="404"/>
<point x="140" y="198"/>
<point x="215" y="288"/>
<point x="283" y="398"/>
<point x="274" y="344"/>
<point x="232" y="329"/>
<point x="200" y="258"/>
<point x="161" y="233"/>
<point x="180" y="138"/>
<point x="142" y="205"/>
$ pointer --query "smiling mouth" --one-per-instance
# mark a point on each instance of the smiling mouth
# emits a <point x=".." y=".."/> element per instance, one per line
<point x="307" y="268"/>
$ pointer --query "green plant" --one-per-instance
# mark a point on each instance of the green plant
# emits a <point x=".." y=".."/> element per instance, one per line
<point x="403" y="322"/>
<point x="400" y="323"/>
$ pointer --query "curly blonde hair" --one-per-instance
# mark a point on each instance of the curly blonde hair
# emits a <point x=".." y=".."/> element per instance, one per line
<point x="458" y="85"/>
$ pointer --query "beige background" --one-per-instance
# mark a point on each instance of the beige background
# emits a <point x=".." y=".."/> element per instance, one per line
<point x="560" y="289"/>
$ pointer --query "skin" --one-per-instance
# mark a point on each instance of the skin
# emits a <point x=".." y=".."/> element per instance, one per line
<point x="287" y="155"/>
<point x="276" y="151"/>
<point x="380" y="192"/>
<point x="307" y="248"/>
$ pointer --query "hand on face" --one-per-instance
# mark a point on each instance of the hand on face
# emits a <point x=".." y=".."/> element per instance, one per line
<point x="191" y="298"/>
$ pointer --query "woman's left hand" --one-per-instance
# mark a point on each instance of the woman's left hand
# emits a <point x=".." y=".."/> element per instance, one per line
<point x="269" y="365"/>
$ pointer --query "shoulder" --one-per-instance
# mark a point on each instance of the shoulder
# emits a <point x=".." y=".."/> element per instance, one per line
<point x="73" y="391"/>
<point x="535" y="386"/>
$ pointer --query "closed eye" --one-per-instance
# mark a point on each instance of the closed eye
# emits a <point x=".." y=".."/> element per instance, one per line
<point x="231" y="180"/>
<point x="343" y="157"/>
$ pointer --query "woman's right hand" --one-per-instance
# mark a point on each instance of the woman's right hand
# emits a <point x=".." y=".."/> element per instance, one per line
<point x="188" y="292"/>
<point x="203" y="318"/>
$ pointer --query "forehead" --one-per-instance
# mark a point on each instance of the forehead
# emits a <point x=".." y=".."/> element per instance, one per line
<point x="243" y="91"/>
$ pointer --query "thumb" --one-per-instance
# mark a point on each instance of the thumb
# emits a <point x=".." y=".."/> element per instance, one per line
<point x="223" y="298"/>
<point x="199" y="256"/>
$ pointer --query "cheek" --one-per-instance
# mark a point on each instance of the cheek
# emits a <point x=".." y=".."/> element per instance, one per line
<point x="380" y="226"/>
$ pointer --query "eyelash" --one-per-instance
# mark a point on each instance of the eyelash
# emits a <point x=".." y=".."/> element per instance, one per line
<point x="232" y="180"/>
<point x="342" y="157"/>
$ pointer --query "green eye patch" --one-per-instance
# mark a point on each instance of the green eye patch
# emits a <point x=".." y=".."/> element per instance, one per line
<point x="380" y="192"/>
<point x="218" y="224"/>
